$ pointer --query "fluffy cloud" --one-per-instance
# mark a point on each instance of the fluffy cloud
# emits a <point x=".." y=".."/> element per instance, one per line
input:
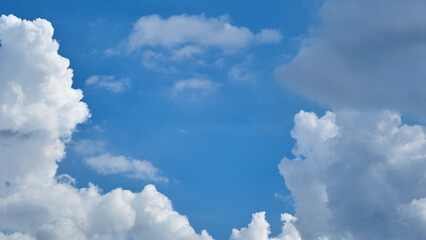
<point x="196" y="30"/>
<point x="133" y="168"/>
<point x="367" y="54"/>
<point x="38" y="107"/>
<point x="357" y="175"/>
<point x="258" y="229"/>
<point x="39" y="111"/>
<point x="109" y="83"/>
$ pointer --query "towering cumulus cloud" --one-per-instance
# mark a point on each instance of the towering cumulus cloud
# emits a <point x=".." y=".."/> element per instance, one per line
<point x="38" y="113"/>
<point x="360" y="173"/>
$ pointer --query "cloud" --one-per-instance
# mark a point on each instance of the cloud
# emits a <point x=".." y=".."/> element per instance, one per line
<point x="259" y="229"/>
<point x="109" y="83"/>
<point x="194" y="89"/>
<point x="186" y="52"/>
<point x="241" y="74"/>
<point x="88" y="147"/>
<point x="39" y="105"/>
<point x="15" y="236"/>
<point x="180" y="30"/>
<point x="99" y="159"/>
<point x="364" y="54"/>
<point x="169" y="44"/>
<point x="357" y="175"/>
<point x="108" y="164"/>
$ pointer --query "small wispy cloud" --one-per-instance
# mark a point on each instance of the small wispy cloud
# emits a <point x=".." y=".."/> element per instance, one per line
<point x="241" y="74"/>
<point x="99" y="159"/>
<point x="88" y="147"/>
<point x="129" y="167"/>
<point x="194" y="89"/>
<point x="109" y="83"/>
<point x="186" y="52"/>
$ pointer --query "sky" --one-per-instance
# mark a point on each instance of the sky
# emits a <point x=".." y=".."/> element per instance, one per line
<point x="200" y="120"/>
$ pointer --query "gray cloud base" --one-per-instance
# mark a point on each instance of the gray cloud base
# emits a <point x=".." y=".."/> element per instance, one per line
<point x="364" y="54"/>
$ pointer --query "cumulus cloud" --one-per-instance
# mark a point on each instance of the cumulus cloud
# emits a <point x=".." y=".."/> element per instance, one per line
<point x="39" y="112"/>
<point x="179" y="30"/>
<point x="365" y="54"/>
<point x="38" y="105"/>
<point x="133" y="168"/>
<point x="259" y="229"/>
<point x="357" y="175"/>
<point x="109" y="83"/>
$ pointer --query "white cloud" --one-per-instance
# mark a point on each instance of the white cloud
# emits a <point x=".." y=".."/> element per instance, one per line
<point x="367" y="54"/>
<point x="259" y="229"/>
<point x="109" y="83"/>
<point x="37" y="104"/>
<point x="198" y="30"/>
<point x="194" y="89"/>
<point x="357" y="175"/>
<point x="99" y="159"/>
<point x="133" y="168"/>
<point x="167" y="42"/>
<point x="39" y="111"/>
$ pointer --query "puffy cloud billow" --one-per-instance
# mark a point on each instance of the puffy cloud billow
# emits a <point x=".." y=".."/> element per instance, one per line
<point x="258" y="229"/>
<point x="357" y="175"/>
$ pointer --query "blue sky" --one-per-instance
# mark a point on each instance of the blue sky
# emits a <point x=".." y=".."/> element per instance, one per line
<point x="203" y="99"/>
<point x="220" y="151"/>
